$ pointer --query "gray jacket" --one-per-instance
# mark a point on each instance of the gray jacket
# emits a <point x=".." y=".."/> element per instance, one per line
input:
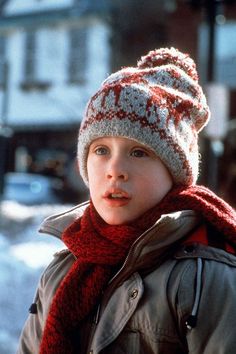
<point x="164" y="299"/>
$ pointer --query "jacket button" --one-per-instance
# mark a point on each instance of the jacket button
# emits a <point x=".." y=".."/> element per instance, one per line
<point x="134" y="294"/>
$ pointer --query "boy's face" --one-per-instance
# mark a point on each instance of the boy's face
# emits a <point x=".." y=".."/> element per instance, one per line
<point x="125" y="179"/>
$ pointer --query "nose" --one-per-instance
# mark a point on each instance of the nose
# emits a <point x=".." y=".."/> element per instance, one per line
<point x="117" y="170"/>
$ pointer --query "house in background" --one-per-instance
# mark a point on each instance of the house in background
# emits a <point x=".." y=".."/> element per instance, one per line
<point x="55" y="53"/>
<point x="53" y="56"/>
<point x="186" y="25"/>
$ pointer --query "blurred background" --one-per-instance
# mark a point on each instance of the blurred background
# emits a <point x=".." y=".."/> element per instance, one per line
<point x="53" y="56"/>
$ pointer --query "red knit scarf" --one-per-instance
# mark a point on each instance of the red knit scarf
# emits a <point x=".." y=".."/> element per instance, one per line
<point x="101" y="248"/>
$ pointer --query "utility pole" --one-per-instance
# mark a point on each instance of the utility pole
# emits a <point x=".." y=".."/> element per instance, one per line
<point x="5" y="131"/>
<point x="213" y="144"/>
<point x="5" y="100"/>
<point x="211" y="12"/>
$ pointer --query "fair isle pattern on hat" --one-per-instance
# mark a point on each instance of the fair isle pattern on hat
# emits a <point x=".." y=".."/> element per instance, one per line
<point x="159" y="103"/>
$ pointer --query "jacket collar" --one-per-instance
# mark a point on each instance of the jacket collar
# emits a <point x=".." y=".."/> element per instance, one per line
<point x="147" y="250"/>
<point x="153" y="243"/>
<point x="167" y="230"/>
<point x="55" y="224"/>
<point x="170" y="227"/>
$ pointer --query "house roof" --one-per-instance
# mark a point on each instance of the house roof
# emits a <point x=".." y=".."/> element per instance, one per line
<point x="53" y="15"/>
<point x="37" y="18"/>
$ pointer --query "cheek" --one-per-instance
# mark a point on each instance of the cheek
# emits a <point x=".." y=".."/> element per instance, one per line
<point x="157" y="183"/>
<point x="90" y="170"/>
<point x="94" y="178"/>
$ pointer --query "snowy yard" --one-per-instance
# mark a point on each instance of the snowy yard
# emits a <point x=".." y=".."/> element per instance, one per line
<point x="24" y="253"/>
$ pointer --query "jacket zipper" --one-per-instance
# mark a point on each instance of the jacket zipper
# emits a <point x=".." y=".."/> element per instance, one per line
<point x="112" y="283"/>
<point x="97" y="315"/>
<point x="93" y="329"/>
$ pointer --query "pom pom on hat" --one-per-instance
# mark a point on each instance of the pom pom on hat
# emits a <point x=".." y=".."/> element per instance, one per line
<point x="169" y="56"/>
<point x="159" y="103"/>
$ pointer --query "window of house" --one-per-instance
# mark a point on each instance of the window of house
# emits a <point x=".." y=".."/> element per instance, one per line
<point x="30" y="57"/>
<point x="31" y="76"/>
<point x="2" y="61"/>
<point x="225" y="53"/>
<point x="77" y="55"/>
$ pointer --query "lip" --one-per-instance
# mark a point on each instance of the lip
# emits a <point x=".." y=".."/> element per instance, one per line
<point x="123" y="193"/>
<point x="116" y="202"/>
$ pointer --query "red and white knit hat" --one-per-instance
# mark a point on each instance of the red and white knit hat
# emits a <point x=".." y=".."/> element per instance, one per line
<point x="159" y="103"/>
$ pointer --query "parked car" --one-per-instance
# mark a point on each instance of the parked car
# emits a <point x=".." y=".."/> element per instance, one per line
<point x="29" y="189"/>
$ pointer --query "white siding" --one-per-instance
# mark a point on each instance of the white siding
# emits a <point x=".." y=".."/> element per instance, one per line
<point x="98" y="53"/>
<point x="52" y="52"/>
<point x="61" y="102"/>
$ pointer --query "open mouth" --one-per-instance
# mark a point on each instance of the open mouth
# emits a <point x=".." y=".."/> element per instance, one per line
<point x="116" y="196"/>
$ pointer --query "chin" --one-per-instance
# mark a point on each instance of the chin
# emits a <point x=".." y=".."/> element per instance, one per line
<point x="115" y="221"/>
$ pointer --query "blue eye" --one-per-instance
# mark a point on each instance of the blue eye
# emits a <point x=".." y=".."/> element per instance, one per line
<point x="101" y="151"/>
<point x="139" y="153"/>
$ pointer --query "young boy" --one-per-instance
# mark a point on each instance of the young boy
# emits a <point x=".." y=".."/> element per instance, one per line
<point x="150" y="263"/>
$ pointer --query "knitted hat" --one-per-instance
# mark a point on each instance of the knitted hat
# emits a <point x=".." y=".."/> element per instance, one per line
<point x="159" y="103"/>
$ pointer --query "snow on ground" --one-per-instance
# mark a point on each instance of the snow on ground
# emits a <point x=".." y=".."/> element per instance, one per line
<point x="24" y="253"/>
